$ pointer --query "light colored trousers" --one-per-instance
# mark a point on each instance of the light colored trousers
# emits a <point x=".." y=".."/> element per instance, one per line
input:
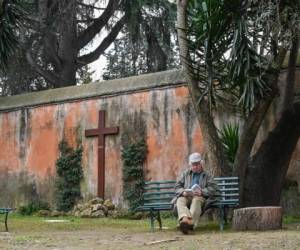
<point x="190" y="207"/>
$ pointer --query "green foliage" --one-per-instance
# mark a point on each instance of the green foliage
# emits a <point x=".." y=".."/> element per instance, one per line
<point x="133" y="157"/>
<point x="246" y="76"/>
<point x="12" y="14"/>
<point x="223" y="38"/>
<point x="69" y="174"/>
<point x="149" y="41"/>
<point x="229" y="135"/>
<point x="33" y="207"/>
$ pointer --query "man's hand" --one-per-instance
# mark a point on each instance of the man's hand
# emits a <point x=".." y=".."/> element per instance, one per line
<point x="186" y="194"/>
<point x="197" y="193"/>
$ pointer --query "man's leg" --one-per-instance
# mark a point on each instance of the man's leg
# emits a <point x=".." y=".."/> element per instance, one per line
<point x="182" y="207"/>
<point x="184" y="214"/>
<point x="196" y="208"/>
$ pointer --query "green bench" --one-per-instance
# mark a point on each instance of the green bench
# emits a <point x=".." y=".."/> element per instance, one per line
<point x="159" y="194"/>
<point x="157" y="197"/>
<point x="5" y="211"/>
<point x="229" y="197"/>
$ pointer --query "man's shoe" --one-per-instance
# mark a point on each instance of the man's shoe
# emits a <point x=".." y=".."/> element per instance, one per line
<point x="185" y="225"/>
<point x="190" y="224"/>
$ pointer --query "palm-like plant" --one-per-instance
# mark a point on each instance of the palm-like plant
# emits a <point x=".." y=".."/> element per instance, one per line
<point x="223" y="55"/>
<point x="229" y="135"/>
<point x="12" y="13"/>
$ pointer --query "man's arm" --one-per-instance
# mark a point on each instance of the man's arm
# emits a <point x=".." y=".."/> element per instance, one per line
<point x="179" y="186"/>
<point x="211" y="188"/>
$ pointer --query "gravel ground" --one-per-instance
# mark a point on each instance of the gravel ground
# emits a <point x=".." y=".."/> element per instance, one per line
<point x="124" y="238"/>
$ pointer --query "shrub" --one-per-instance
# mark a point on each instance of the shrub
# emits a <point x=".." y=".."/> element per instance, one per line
<point x="133" y="156"/>
<point x="33" y="207"/>
<point x="69" y="175"/>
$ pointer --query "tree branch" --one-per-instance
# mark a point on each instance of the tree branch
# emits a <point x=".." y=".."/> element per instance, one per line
<point x="88" y="34"/>
<point x="49" y="76"/>
<point x="93" y="56"/>
<point x="90" y="6"/>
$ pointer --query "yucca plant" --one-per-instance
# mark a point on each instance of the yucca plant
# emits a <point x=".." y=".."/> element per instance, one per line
<point x="12" y="14"/>
<point x="229" y="135"/>
<point x="223" y="55"/>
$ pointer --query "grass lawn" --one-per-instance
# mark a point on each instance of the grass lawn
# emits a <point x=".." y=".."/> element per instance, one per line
<point x="32" y="232"/>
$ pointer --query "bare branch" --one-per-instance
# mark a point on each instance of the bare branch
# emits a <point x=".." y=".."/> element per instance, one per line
<point x="88" y="34"/>
<point x="90" y="6"/>
<point x="94" y="55"/>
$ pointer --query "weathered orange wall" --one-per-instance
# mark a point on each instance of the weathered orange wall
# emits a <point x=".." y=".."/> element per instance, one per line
<point x="30" y="137"/>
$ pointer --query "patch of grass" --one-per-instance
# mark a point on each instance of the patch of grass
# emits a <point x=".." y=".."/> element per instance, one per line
<point x="20" y="223"/>
<point x="287" y="219"/>
<point x="29" y="224"/>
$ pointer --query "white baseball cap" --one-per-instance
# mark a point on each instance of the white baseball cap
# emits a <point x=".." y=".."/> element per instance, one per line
<point x="195" y="157"/>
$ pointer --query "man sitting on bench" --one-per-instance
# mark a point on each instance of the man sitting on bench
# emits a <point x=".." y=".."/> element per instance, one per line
<point x="192" y="189"/>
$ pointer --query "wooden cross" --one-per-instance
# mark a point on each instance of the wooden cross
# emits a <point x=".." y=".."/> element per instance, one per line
<point x="101" y="131"/>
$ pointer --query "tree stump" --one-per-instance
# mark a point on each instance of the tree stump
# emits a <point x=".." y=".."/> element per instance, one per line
<point x="257" y="218"/>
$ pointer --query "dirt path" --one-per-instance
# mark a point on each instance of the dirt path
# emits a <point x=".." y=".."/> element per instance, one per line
<point x="124" y="239"/>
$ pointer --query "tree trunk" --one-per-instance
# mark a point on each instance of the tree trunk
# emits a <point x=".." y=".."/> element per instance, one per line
<point x="67" y="51"/>
<point x="217" y="163"/>
<point x="257" y="218"/>
<point x="252" y="125"/>
<point x="268" y="167"/>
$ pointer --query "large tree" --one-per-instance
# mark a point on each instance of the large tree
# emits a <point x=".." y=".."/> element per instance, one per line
<point x="148" y="43"/>
<point x="232" y="52"/>
<point x="65" y="35"/>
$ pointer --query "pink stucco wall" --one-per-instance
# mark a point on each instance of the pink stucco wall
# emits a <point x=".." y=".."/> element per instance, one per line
<point x="30" y="137"/>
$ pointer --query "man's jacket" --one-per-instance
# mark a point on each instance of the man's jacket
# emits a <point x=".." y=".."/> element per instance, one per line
<point x="209" y="188"/>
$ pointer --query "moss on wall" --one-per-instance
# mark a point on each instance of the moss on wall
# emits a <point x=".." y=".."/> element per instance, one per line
<point x="20" y="188"/>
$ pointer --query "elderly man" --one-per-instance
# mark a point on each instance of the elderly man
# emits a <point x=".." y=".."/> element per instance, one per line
<point x="192" y="189"/>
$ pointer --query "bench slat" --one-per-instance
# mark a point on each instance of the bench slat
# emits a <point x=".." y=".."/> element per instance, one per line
<point x="225" y="178"/>
<point x="159" y="182"/>
<point x="159" y="193"/>
<point x="157" y="200"/>
<point x="230" y="195"/>
<point x="225" y="189"/>
<point x="228" y="200"/>
<point x="228" y="184"/>
<point x="158" y="205"/>
<point x="158" y="187"/>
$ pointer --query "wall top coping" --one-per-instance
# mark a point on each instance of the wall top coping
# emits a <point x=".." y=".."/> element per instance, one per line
<point x="114" y="87"/>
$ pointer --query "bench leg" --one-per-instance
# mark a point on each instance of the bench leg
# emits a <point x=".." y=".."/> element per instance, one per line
<point x="159" y="220"/>
<point x="5" y="221"/>
<point x="225" y="215"/>
<point x="152" y="219"/>
<point x="221" y="218"/>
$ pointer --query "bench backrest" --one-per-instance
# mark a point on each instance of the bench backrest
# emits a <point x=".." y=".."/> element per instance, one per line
<point x="162" y="192"/>
<point x="229" y="188"/>
<point x="158" y="192"/>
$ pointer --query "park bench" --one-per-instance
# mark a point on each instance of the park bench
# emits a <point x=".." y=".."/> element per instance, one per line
<point x="159" y="194"/>
<point x="5" y="212"/>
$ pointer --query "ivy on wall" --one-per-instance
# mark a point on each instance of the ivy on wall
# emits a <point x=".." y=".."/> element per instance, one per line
<point x="134" y="156"/>
<point x="69" y="175"/>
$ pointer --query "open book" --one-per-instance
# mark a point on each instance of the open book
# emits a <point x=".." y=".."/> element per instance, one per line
<point x="194" y="188"/>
